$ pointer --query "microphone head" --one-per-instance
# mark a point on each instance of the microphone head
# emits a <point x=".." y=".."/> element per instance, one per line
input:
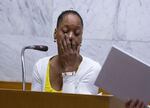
<point x="40" y="47"/>
<point x="37" y="47"/>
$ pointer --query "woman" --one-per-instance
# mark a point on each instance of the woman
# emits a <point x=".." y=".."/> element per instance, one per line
<point x="69" y="72"/>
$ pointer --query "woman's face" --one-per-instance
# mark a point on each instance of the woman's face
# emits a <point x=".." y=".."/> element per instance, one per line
<point x="70" y="28"/>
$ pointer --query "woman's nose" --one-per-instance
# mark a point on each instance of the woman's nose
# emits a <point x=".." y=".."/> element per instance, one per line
<point x="70" y="35"/>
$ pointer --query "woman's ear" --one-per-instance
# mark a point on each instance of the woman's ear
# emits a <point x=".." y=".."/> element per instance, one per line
<point x="55" y="32"/>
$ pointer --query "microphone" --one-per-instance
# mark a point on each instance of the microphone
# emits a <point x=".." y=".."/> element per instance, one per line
<point x="37" y="47"/>
<point x="34" y="47"/>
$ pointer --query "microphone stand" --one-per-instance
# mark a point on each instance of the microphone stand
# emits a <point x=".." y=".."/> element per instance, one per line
<point x="35" y="47"/>
<point x="23" y="70"/>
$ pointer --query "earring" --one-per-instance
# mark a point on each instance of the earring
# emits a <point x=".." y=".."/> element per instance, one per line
<point x="80" y="44"/>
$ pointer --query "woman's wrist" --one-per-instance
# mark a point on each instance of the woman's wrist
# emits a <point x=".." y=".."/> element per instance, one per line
<point x="70" y="73"/>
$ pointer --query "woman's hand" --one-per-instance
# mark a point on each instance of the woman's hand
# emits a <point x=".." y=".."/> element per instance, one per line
<point x="134" y="104"/>
<point x="69" y="54"/>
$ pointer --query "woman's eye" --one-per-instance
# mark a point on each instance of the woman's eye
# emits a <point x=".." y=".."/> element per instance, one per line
<point x="65" y="31"/>
<point x="77" y="33"/>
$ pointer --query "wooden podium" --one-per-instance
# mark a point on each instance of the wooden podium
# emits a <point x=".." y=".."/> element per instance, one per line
<point x="28" y="99"/>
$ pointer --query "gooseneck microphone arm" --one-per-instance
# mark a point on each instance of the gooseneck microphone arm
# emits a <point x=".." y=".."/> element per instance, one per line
<point x="35" y="47"/>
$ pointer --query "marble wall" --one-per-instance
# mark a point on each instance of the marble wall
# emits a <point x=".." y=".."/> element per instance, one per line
<point x="124" y="23"/>
<point x="23" y="23"/>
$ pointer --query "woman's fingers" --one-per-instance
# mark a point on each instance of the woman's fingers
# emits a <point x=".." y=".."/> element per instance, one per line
<point x="69" y="44"/>
<point x="140" y="105"/>
<point x="64" y="43"/>
<point x="127" y="104"/>
<point x="134" y="104"/>
<point x="61" y="46"/>
<point x="73" y="46"/>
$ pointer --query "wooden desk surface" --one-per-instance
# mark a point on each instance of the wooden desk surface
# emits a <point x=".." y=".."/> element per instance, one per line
<point x="13" y="85"/>
<point x="28" y="99"/>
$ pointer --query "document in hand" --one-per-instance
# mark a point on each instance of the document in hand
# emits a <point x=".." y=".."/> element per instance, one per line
<point x="124" y="76"/>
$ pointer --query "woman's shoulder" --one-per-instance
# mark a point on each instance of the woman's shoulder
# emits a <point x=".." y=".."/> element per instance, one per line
<point x="90" y="64"/>
<point x="89" y="67"/>
<point x="42" y="63"/>
<point x="41" y="66"/>
<point x="43" y="60"/>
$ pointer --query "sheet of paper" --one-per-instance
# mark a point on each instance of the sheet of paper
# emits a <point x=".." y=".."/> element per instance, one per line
<point x="124" y="76"/>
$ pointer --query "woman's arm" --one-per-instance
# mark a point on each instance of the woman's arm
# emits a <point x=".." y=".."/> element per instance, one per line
<point x="36" y="80"/>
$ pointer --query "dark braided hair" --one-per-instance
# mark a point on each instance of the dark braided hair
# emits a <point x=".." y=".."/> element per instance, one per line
<point x="61" y="16"/>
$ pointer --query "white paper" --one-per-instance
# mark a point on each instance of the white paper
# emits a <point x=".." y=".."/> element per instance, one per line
<point x="125" y="76"/>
